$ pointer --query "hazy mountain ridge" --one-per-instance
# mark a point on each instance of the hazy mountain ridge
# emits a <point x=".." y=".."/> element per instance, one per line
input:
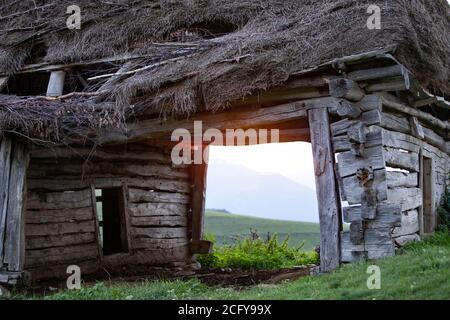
<point x="244" y="191"/>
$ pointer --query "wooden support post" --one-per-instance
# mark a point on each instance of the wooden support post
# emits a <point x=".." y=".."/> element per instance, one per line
<point x="5" y="163"/>
<point x="199" y="175"/>
<point x="56" y="83"/>
<point x="13" y="229"/>
<point x="326" y="188"/>
<point x="3" y="82"/>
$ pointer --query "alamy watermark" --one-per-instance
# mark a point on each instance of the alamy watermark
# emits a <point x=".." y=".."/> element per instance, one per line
<point x="374" y="20"/>
<point x="374" y="280"/>
<point x="73" y="22"/>
<point x="74" y="280"/>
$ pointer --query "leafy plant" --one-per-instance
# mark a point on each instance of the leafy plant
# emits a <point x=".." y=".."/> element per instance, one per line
<point x="444" y="212"/>
<point x="252" y="252"/>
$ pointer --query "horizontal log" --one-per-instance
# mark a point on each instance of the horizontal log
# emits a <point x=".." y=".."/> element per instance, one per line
<point x="148" y="243"/>
<point x="404" y="160"/>
<point x="345" y="89"/>
<point x="352" y="190"/>
<point x="51" y="229"/>
<point x="373" y="138"/>
<point x="62" y="215"/>
<point x="350" y="252"/>
<point x="394" y="103"/>
<point x="158" y="209"/>
<point x="403" y="240"/>
<point x="58" y="200"/>
<point x="160" y="232"/>
<point x="41" y="242"/>
<point x="396" y="179"/>
<point x="388" y="215"/>
<point x="387" y="84"/>
<point x="35" y="258"/>
<point x="376" y="73"/>
<point x="139" y="195"/>
<point x="122" y="153"/>
<point x="409" y="198"/>
<point x="409" y="224"/>
<point x="59" y="271"/>
<point x="368" y="118"/>
<point x="243" y="118"/>
<point x="380" y="251"/>
<point x="162" y="221"/>
<point x="348" y="164"/>
<point x="60" y="184"/>
<point x="106" y="170"/>
<point x="377" y="236"/>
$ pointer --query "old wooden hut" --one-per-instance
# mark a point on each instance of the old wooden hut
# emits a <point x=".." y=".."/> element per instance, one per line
<point x="86" y="117"/>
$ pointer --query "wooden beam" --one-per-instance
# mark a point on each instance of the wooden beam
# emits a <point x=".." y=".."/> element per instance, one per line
<point x="326" y="189"/>
<point x="242" y="118"/>
<point x="14" y="246"/>
<point x="199" y="177"/>
<point x="346" y="89"/>
<point x="56" y="83"/>
<point x="394" y="103"/>
<point x="3" y="82"/>
<point x="5" y="169"/>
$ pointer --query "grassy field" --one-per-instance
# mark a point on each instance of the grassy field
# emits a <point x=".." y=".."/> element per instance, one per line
<point x="421" y="272"/>
<point x="225" y="226"/>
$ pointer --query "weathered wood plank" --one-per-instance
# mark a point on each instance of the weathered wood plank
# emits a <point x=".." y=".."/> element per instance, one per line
<point x="63" y="215"/>
<point x="42" y="242"/>
<point x="373" y="138"/>
<point x="5" y="170"/>
<point x="348" y="163"/>
<point x="399" y="159"/>
<point x="388" y="215"/>
<point x="59" y="200"/>
<point x="59" y="255"/>
<point x="107" y="170"/>
<point x="199" y="176"/>
<point x="163" y="221"/>
<point x="149" y="243"/>
<point x="14" y="245"/>
<point x="350" y="252"/>
<point x="139" y="195"/>
<point x="409" y="198"/>
<point x="61" y="184"/>
<point x="158" y="209"/>
<point x="326" y="189"/>
<point x="160" y="232"/>
<point x="397" y="179"/>
<point x="60" y="228"/>
<point x="346" y="89"/>
<point x="409" y="224"/>
<point x="352" y="190"/>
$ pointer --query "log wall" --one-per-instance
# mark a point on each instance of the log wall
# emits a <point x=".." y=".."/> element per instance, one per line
<point x="61" y="226"/>
<point x="380" y="167"/>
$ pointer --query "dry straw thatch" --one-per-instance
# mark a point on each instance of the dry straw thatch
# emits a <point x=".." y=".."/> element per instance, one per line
<point x="219" y="51"/>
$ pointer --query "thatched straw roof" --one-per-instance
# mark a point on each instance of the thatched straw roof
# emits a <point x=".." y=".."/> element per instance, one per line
<point x="211" y="52"/>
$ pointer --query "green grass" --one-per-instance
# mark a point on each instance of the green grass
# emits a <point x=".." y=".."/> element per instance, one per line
<point x="422" y="272"/>
<point x="225" y="226"/>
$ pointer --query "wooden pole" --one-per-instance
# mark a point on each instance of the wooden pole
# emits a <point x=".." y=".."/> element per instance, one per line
<point x="14" y="246"/>
<point x="56" y="83"/>
<point x="199" y="177"/>
<point x="326" y="189"/>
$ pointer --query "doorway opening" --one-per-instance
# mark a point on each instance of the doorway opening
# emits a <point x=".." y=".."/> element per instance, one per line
<point x="262" y="190"/>
<point x="111" y="220"/>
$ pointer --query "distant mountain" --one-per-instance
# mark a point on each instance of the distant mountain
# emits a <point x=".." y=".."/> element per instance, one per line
<point x="244" y="191"/>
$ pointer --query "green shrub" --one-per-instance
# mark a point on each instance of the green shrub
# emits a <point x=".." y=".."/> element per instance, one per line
<point x="255" y="253"/>
<point x="444" y="212"/>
